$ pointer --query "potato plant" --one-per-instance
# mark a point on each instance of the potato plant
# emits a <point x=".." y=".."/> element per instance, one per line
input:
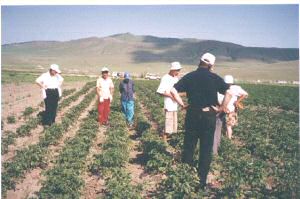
<point x="33" y="122"/>
<point x="111" y="162"/>
<point x="11" y="119"/>
<point x="35" y="155"/>
<point x="64" y="181"/>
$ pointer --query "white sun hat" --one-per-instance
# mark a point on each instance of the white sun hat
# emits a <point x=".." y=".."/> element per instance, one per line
<point x="55" y="67"/>
<point x="208" y="58"/>
<point x="175" y="66"/>
<point x="104" y="69"/>
<point x="228" y="79"/>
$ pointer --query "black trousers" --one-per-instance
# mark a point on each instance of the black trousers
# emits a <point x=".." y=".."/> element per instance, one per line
<point x="199" y="125"/>
<point x="51" y="103"/>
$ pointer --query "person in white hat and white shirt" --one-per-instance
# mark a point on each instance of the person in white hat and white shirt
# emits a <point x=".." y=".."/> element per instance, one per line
<point x="238" y="94"/>
<point x="170" y="105"/>
<point x="105" y="90"/>
<point x="50" y="83"/>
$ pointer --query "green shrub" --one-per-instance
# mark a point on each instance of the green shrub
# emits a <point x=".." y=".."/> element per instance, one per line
<point x="28" y="111"/>
<point x="11" y="119"/>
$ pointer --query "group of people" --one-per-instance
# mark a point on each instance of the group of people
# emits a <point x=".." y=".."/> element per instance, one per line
<point x="209" y="99"/>
<point x="211" y="102"/>
<point x="51" y="82"/>
<point x="105" y="90"/>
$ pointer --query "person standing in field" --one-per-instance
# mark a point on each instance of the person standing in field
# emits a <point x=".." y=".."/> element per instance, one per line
<point x="126" y="89"/>
<point x="105" y="90"/>
<point x="201" y="87"/>
<point x="238" y="94"/>
<point x="170" y="105"/>
<point x="50" y="83"/>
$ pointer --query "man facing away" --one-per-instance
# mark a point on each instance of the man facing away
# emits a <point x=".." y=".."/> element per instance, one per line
<point x="50" y="83"/>
<point x="201" y="87"/>
<point x="170" y="105"/>
<point x="105" y="90"/>
<point x="126" y="89"/>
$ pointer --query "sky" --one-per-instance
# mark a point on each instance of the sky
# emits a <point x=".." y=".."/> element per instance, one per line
<point x="248" y="25"/>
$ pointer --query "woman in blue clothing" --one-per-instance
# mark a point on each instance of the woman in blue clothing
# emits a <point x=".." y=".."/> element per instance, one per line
<point x="127" y="98"/>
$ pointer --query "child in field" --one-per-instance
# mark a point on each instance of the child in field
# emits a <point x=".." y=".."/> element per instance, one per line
<point x="238" y="94"/>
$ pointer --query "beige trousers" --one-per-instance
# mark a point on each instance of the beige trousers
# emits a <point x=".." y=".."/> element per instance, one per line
<point x="170" y="122"/>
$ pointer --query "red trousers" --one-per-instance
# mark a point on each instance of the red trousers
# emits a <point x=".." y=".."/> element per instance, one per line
<point x="103" y="111"/>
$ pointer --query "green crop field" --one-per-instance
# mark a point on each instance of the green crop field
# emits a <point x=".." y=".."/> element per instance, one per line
<point x="17" y="77"/>
<point x="75" y="158"/>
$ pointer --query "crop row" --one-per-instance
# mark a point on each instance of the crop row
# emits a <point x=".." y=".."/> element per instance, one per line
<point x="114" y="156"/>
<point x="265" y="162"/>
<point x="272" y="137"/>
<point x="181" y="180"/>
<point x="64" y="180"/>
<point x="35" y="155"/>
<point x="25" y="129"/>
<point x="154" y="103"/>
<point x="66" y="102"/>
<point x="284" y="97"/>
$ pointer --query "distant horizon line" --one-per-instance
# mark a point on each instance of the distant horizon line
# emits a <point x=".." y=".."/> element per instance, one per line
<point x="129" y="33"/>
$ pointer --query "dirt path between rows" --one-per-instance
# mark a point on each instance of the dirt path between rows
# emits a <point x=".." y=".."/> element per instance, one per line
<point x="34" y="137"/>
<point x="135" y="165"/>
<point x="20" y="119"/>
<point x="33" y="179"/>
<point x="94" y="184"/>
<point x="15" y="98"/>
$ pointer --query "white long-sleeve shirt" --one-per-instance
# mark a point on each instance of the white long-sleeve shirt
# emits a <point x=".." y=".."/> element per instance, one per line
<point x="166" y="84"/>
<point x="236" y="91"/>
<point x="51" y="82"/>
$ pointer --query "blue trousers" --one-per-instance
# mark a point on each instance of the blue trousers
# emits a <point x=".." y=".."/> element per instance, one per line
<point x="128" y="110"/>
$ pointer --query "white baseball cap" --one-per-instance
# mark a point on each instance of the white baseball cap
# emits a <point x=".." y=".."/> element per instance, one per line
<point x="55" y="67"/>
<point x="208" y="58"/>
<point x="228" y="79"/>
<point x="175" y="66"/>
<point x="104" y="69"/>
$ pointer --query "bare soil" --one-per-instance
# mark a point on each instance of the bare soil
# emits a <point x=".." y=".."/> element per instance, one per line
<point x="94" y="184"/>
<point x="33" y="179"/>
<point x="33" y="138"/>
<point x="16" y="98"/>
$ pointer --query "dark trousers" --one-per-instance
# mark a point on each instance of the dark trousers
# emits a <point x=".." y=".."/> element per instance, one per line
<point x="51" y="103"/>
<point x="199" y="125"/>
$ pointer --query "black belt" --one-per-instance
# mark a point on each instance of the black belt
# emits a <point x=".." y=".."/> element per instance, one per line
<point x="52" y="89"/>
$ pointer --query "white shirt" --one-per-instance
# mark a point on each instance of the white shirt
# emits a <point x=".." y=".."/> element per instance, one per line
<point x="166" y="84"/>
<point x="236" y="91"/>
<point x="104" y="86"/>
<point x="50" y="82"/>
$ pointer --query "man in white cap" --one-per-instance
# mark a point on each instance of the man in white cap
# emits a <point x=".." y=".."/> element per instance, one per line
<point x="201" y="87"/>
<point x="105" y="90"/>
<point x="50" y="83"/>
<point x="170" y="105"/>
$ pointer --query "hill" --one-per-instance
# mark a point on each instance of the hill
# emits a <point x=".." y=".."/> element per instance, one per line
<point x="136" y="53"/>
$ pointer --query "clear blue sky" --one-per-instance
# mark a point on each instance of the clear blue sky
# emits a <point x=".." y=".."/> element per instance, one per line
<point x="249" y="25"/>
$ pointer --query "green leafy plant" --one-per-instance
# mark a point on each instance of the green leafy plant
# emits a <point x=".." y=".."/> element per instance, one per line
<point x="11" y="119"/>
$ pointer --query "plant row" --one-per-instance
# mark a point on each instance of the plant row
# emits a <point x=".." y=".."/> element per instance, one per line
<point x="181" y="180"/>
<point x="29" y="110"/>
<point x="33" y="122"/>
<point x="266" y="163"/>
<point x="64" y="180"/>
<point x="66" y="102"/>
<point x="35" y="155"/>
<point x="284" y="97"/>
<point x="114" y="156"/>
<point x="272" y="137"/>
